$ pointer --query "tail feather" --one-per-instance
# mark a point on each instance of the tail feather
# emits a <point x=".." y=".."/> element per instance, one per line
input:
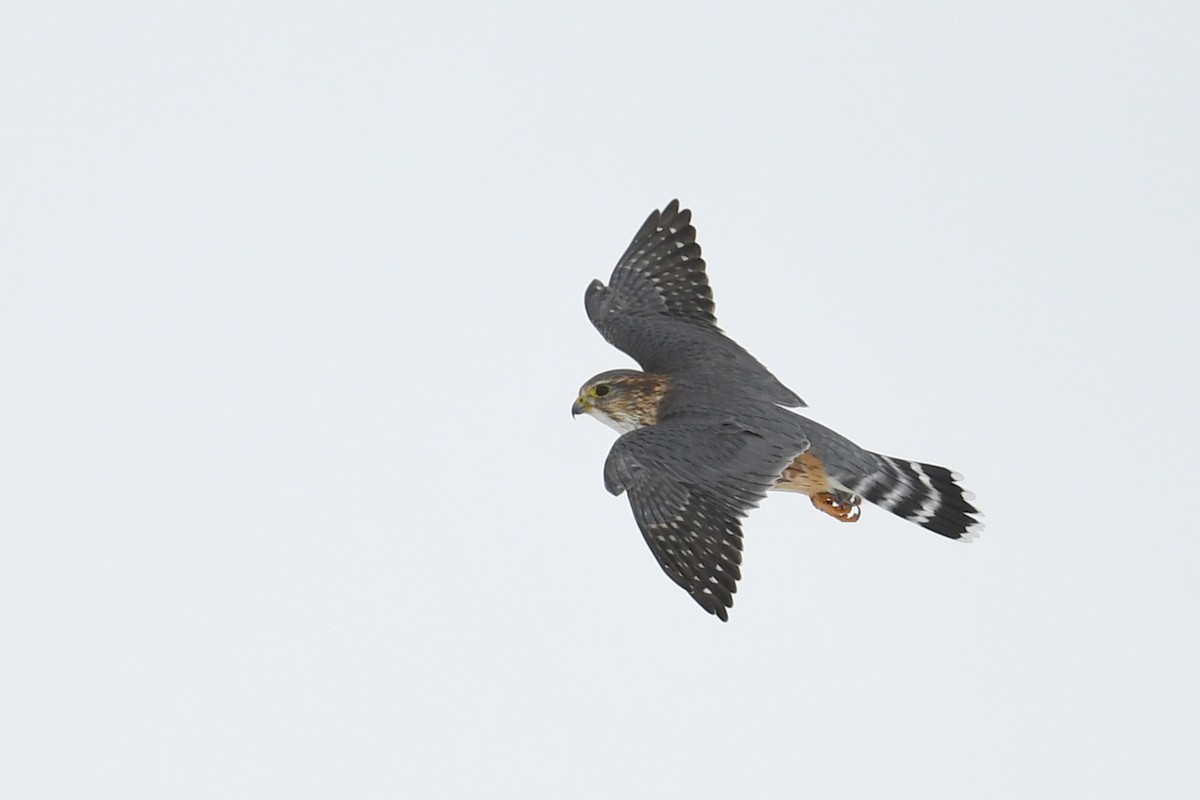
<point x="928" y="495"/>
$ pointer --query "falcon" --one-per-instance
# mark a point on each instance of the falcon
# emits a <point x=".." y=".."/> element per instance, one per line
<point x="706" y="431"/>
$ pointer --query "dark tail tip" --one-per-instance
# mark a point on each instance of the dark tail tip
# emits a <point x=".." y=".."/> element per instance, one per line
<point x="931" y="496"/>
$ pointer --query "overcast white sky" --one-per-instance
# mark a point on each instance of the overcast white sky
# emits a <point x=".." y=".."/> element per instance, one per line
<point x="291" y="319"/>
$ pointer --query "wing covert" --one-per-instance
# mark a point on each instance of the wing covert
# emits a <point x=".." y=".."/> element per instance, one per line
<point x="689" y="485"/>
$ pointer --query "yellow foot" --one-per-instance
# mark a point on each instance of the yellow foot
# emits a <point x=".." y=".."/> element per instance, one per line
<point x="831" y="505"/>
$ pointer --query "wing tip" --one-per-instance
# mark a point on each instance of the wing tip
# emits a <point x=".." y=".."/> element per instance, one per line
<point x="714" y="605"/>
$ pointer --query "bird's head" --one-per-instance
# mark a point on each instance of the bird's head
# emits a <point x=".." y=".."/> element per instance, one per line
<point x="623" y="399"/>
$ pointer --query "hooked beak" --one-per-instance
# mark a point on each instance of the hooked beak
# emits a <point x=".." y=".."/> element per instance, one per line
<point x="577" y="409"/>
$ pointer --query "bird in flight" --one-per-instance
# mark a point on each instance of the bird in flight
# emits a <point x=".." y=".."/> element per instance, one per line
<point x="706" y="431"/>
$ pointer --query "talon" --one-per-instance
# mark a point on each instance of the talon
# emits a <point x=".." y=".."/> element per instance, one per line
<point x="842" y="510"/>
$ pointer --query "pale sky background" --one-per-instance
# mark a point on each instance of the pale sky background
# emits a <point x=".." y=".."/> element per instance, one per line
<point x="291" y="319"/>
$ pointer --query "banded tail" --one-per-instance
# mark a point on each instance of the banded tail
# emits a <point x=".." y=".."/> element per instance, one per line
<point x="922" y="493"/>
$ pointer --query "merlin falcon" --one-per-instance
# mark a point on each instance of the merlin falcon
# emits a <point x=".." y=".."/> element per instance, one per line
<point x="706" y="431"/>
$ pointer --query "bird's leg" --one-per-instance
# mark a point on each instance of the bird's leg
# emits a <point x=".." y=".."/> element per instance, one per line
<point x="840" y="506"/>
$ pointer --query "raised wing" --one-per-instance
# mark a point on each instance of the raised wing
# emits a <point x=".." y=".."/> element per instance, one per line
<point x="689" y="484"/>
<point x="658" y="308"/>
<point x="661" y="272"/>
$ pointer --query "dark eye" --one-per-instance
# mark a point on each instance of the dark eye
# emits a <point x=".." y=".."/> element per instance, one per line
<point x="602" y="390"/>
